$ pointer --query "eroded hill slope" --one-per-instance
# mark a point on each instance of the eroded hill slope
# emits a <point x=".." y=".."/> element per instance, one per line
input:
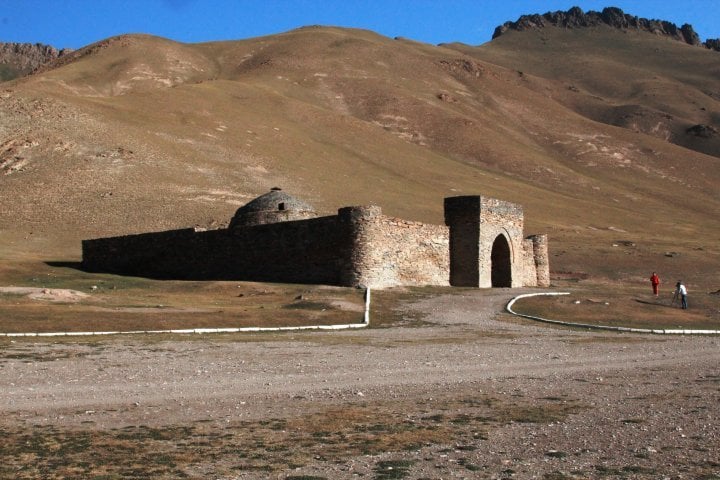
<point x="140" y="133"/>
<point x="659" y="82"/>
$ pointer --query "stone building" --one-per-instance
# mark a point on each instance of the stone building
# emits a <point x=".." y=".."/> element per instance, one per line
<point x="279" y="238"/>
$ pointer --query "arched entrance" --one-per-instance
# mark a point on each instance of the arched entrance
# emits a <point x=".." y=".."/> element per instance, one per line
<point x="501" y="273"/>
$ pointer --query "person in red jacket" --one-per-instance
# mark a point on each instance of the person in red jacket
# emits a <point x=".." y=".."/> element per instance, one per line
<point x="655" y="280"/>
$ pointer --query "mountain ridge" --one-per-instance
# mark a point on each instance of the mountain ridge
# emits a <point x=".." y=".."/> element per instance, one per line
<point x="611" y="16"/>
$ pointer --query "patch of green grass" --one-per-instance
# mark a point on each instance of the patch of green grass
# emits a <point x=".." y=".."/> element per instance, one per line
<point x="556" y="475"/>
<point x="466" y="448"/>
<point x="636" y="469"/>
<point x="469" y="466"/>
<point x="544" y="413"/>
<point x="633" y="420"/>
<point x="305" y="477"/>
<point x="462" y="419"/>
<point x="555" y="454"/>
<point x="49" y="356"/>
<point x="628" y="471"/>
<point x="392" y="469"/>
<point x="305" y="305"/>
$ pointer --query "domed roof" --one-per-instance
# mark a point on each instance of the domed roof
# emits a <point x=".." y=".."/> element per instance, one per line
<point x="271" y="207"/>
<point x="274" y="200"/>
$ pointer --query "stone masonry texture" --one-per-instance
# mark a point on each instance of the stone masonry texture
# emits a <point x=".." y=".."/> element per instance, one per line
<point x="481" y="245"/>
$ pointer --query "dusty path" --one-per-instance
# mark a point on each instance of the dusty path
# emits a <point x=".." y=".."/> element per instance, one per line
<point x="648" y="407"/>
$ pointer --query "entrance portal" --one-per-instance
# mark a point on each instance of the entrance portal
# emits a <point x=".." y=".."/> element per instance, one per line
<point x="501" y="273"/>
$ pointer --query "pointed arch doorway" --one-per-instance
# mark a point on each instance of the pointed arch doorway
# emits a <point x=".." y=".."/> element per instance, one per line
<point x="500" y="266"/>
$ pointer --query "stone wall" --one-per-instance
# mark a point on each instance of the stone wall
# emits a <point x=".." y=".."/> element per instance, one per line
<point x="462" y="215"/>
<point x="541" y="259"/>
<point x="475" y="224"/>
<point x="395" y="252"/>
<point x="305" y="251"/>
<point x="412" y="253"/>
<point x="359" y="246"/>
<point x="530" y="275"/>
<point x="498" y="217"/>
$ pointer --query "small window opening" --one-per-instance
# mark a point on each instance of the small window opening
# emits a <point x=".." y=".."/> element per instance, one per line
<point x="281" y="206"/>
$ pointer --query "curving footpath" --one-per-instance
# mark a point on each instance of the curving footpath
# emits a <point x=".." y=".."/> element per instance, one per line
<point x="658" y="331"/>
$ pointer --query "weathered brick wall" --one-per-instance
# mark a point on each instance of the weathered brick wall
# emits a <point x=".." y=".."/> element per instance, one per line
<point x="358" y="222"/>
<point x="541" y="260"/>
<point x="408" y="253"/>
<point x="135" y="254"/>
<point x="498" y="217"/>
<point x="462" y="215"/>
<point x="530" y="274"/>
<point x="359" y="246"/>
<point x="390" y="251"/>
<point x="475" y="224"/>
<point x="305" y="251"/>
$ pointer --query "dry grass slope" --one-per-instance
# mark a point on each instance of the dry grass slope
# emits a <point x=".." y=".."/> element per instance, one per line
<point x="583" y="127"/>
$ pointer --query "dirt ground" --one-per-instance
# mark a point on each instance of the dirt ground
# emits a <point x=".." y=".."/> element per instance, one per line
<point x="463" y="391"/>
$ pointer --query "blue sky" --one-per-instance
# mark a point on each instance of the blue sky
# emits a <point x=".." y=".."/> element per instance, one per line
<point x="75" y="23"/>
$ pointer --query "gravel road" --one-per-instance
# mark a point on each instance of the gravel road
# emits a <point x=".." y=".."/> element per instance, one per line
<point x="647" y="406"/>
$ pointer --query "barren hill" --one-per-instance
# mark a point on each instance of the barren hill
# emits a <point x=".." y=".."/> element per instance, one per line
<point x="140" y="133"/>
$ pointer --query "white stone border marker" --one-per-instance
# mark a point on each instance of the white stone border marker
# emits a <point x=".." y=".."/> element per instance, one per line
<point x="666" y="331"/>
<point x="365" y="323"/>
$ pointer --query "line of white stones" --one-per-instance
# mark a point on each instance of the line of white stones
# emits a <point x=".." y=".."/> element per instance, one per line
<point x="659" y="331"/>
<point x="365" y="323"/>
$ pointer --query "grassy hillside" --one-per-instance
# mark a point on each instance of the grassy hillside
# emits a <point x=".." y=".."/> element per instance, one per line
<point x="140" y="133"/>
<point x="648" y="84"/>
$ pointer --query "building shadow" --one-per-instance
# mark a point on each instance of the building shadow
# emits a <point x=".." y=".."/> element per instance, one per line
<point x="78" y="266"/>
<point x="65" y="264"/>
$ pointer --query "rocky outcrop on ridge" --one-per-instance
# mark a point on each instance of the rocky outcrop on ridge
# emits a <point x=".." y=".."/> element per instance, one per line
<point x="713" y="44"/>
<point x="701" y="130"/>
<point x="612" y="16"/>
<point x="20" y="59"/>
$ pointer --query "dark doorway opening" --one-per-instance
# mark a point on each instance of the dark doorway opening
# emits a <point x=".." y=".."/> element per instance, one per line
<point x="501" y="272"/>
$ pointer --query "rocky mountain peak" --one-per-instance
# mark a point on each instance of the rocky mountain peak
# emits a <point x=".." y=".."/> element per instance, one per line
<point x="18" y="59"/>
<point x="611" y="16"/>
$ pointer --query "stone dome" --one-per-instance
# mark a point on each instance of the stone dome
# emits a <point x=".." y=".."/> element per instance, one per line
<point x="272" y="207"/>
